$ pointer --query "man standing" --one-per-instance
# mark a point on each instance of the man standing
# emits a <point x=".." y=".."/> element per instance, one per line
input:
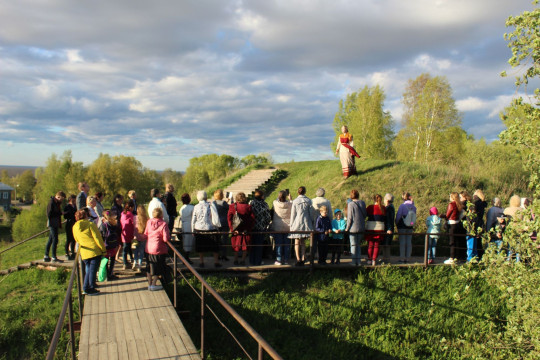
<point x="83" y="194"/>
<point x="156" y="203"/>
<point x="356" y="225"/>
<point x="54" y="222"/>
<point x="170" y="204"/>
<point x="262" y="220"/>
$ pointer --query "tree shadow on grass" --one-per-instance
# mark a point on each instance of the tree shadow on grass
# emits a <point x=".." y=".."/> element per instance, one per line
<point x="375" y="168"/>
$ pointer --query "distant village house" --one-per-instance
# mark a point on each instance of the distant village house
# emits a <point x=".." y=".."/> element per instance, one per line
<point x="5" y="196"/>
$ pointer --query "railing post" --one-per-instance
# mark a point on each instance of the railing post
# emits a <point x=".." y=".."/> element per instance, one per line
<point x="79" y="299"/>
<point x="261" y="353"/>
<point x="175" y="278"/>
<point x="426" y="245"/>
<point x="71" y="331"/>
<point x="311" y="252"/>
<point x="203" y="305"/>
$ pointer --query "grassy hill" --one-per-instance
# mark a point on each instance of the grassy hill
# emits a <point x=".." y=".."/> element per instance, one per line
<point x="429" y="185"/>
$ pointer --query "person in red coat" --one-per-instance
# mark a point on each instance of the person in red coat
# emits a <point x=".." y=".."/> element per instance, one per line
<point x="240" y="241"/>
<point x="376" y="219"/>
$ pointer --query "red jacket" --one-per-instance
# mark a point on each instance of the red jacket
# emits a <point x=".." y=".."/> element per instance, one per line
<point x="246" y="214"/>
<point x="452" y="213"/>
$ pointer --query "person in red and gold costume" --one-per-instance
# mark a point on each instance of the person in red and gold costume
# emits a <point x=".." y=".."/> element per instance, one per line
<point x="346" y="152"/>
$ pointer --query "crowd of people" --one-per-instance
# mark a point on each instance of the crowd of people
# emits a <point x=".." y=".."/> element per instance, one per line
<point x="136" y="234"/>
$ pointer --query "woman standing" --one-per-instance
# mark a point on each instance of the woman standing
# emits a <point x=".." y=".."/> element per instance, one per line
<point x="204" y="217"/>
<point x="223" y="209"/>
<point x="388" y="226"/>
<point x="375" y="226"/>
<point x="346" y="152"/>
<point x="158" y="234"/>
<point x="281" y="221"/>
<point x="302" y="215"/>
<point x="453" y="218"/>
<point x="186" y="214"/>
<point x="92" y="247"/>
<point x="241" y="241"/>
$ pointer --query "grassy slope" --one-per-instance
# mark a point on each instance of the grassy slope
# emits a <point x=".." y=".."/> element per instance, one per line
<point x="30" y="303"/>
<point x="387" y="313"/>
<point x="428" y="186"/>
<point x="29" y="251"/>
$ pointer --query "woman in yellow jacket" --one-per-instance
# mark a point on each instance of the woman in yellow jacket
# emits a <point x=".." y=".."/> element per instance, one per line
<point x="91" y="246"/>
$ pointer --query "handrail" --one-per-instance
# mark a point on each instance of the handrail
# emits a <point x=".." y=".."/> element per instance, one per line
<point x="25" y="240"/>
<point x="67" y="306"/>
<point x="263" y="345"/>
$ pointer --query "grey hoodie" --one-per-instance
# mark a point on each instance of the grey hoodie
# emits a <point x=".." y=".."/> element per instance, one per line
<point x="301" y="216"/>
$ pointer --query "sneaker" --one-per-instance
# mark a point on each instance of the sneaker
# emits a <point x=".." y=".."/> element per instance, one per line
<point x="91" y="292"/>
<point x="56" y="260"/>
<point x="430" y="261"/>
<point x="449" y="261"/>
<point x="277" y="263"/>
<point x="134" y="266"/>
<point x="46" y="259"/>
<point x="124" y="267"/>
<point x="138" y="268"/>
<point x="155" y="287"/>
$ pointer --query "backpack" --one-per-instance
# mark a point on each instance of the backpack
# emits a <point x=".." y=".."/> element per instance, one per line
<point x="109" y="237"/>
<point x="409" y="220"/>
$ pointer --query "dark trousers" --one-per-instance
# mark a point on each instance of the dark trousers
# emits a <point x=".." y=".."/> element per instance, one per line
<point x="70" y="240"/>
<point x="53" y="241"/>
<point x="127" y="250"/>
<point x="322" y="246"/>
<point x="256" y="251"/>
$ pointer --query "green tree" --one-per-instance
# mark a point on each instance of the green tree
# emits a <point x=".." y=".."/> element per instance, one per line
<point x="25" y="183"/>
<point x="169" y="176"/>
<point x="431" y="121"/>
<point x="362" y="112"/>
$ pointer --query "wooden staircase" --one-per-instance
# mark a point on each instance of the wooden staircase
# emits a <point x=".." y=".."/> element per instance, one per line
<point x="250" y="182"/>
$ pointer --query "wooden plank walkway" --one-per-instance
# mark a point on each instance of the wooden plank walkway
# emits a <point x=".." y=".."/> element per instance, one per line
<point x="127" y="321"/>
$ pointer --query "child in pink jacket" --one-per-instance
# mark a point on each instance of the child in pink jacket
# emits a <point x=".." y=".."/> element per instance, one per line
<point x="158" y="235"/>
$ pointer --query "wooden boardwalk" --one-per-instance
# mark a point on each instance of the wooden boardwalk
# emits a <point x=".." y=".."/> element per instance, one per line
<point x="127" y="321"/>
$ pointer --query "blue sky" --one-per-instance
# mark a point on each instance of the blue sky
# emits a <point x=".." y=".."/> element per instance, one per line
<point x="168" y="80"/>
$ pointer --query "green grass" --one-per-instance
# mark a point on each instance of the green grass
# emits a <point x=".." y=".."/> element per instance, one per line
<point x="429" y="185"/>
<point x="31" y="301"/>
<point x="387" y="313"/>
<point x="29" y="251"/>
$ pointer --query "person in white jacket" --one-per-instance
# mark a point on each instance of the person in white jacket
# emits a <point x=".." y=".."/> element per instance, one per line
<point x="301" y="220"/>
<point x="156" y="203"/>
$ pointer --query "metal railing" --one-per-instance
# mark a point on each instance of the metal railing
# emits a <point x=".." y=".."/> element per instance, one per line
<point x="263" y="346"/>
<point x="67" y="307"/>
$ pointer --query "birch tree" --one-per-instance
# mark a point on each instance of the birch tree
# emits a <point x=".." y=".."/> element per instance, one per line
<point x="372" y="127"/>
<point x="429" y="115"/>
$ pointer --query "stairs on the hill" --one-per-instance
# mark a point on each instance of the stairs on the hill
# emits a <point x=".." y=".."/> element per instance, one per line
<point x="250" y="182"/>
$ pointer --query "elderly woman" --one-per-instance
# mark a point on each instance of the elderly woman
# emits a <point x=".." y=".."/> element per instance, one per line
<point x="346" y="152"/>
<point x="204" y="217"/>
<point x="240" y="241"/>
<point x="301" y="220"/>
<point x="92" y="248"/>
<point x="281" y="221"/>
<point x="186" y="214"/>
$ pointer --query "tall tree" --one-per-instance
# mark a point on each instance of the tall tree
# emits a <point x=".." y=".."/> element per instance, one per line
<point x="431" y="119"/>
<point x="362" y="112"/>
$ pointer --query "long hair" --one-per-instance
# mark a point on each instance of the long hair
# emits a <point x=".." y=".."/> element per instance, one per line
<point x="379" y="201"/>
<point x="142" y="218"/>
<point x="455" y="198"/>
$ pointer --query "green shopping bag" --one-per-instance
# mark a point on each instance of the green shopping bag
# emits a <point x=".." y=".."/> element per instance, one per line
<point x="102" y="272"/>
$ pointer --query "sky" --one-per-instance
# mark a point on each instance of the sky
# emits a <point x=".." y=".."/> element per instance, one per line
<point x="168" y="80"/>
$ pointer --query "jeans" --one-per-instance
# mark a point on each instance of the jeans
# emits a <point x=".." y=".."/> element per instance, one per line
<point x="53" y="240"/>
<point x="139" y="252"/>
<point x="127" y="250"/>
<point x="471" y="248"/>
<point x="283" y="248"/>
<point x="356" y="240"/>
<point x="92" y="267"/>
<point x="256" y="252"/>
<point x="405" y="243"/>
<point x="432" y="244"/>
<point x="70" y="240"/>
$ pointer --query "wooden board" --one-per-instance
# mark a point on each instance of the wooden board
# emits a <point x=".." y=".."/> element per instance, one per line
<point x="127" y="321"/>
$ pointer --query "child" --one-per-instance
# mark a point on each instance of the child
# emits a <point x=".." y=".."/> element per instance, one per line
<point x="69" y="214"/>
<point x="158" y="234"/>
<point x="141" y="220"/>
<point x="433" y="223"/>
<point x="323" y="225"/>
<point x="108" y="229"/>
<point x="338" y="227"/>
<point x="128" y="231"/>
